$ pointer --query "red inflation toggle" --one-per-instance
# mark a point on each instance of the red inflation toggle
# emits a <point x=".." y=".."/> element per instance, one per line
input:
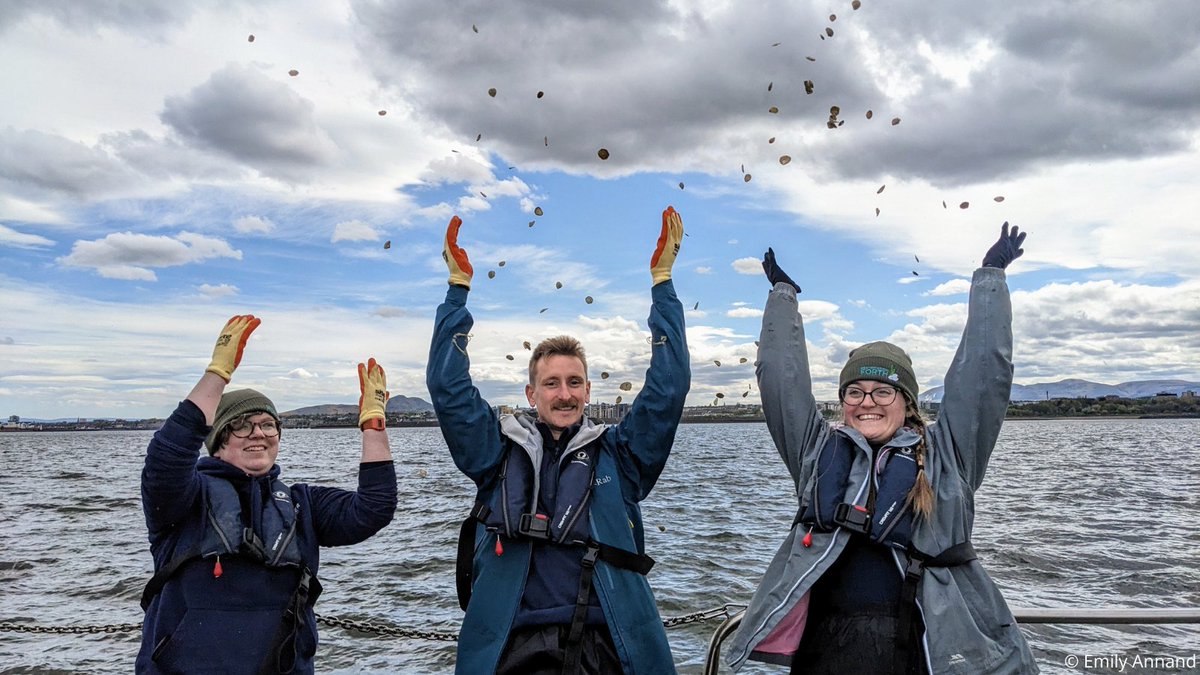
<point x="217" y="571"/>
<point x="499" y="547"/>
<point x="807" y="541"/>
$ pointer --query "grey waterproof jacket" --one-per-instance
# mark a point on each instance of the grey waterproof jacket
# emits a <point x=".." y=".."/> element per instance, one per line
<point x="968" y="627"/>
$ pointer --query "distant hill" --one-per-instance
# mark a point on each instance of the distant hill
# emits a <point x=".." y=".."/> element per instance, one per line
<point x="1084" y="389"/>
<point x="395" y="404"/>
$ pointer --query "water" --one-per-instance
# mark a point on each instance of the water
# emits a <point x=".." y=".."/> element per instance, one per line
<point x="1083" y="513"/>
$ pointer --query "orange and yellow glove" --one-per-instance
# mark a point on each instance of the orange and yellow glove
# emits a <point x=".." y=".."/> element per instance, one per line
<point x="668" y="246"/>
<point x="230" y="344"/>
<point x="455" y="257"/>
<point x="372" y="395"/>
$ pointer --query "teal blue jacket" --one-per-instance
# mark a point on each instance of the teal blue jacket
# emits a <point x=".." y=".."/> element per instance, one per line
<point x="632" y="455"/>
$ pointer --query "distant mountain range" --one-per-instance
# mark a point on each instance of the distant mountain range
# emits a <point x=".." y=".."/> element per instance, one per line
<point x="1084" y="389"/>
<point x="395" y="404"/>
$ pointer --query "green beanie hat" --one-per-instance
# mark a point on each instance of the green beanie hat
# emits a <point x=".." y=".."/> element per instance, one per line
<point x="234" y="404"/>
<point x="881" y="362"/>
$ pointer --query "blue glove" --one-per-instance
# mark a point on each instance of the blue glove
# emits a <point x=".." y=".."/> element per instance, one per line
<point x="1006" y="250"/>
<point x="774" y="274"/>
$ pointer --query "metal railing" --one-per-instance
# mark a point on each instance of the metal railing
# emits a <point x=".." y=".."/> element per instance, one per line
<point x="1027" y="615"/>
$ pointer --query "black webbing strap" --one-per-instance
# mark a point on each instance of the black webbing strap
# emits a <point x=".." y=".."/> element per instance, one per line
<point x="917" y="562"/>
<point x="163" y="575"/>
<point x="573" y="650"/>
<point x="617" y="557"/>
<point x="281" y="656"/>
<point x="465" y="560"/>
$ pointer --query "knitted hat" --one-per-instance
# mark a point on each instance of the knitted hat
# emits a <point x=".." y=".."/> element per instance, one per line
<point x="881" y="362"/>
<point x="234" y="404"/>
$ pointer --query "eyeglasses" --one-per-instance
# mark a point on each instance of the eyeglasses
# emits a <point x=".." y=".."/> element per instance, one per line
<point x="881" y="396"/>
<point x="242" y="427"/>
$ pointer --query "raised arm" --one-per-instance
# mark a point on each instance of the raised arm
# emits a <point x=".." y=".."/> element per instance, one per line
<point x="647" y="433"/>
<point x="467" y="421"/>
<point x="169" y="481"/>
<point x="372" y="412"/>
<point x="979" y="380"/>
<point x="784" y="380"/>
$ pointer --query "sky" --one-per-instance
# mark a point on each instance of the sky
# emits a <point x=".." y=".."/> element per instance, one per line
<point x="164" y="166"/>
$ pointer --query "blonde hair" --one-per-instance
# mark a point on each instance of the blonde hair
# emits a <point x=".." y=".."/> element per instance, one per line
<point x="921" y="494"/>
<point x="559" y="345"/>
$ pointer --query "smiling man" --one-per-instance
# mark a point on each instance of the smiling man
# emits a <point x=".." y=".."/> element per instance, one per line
<point x="553" y="581"/>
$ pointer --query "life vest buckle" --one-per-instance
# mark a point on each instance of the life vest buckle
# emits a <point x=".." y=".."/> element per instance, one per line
<point x="253" y="544"/>
<point x="852" y="517"/>
<point x="535" y="526"/>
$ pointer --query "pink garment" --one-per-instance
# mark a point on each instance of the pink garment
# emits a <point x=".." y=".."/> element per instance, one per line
<point x="785" y="639"/>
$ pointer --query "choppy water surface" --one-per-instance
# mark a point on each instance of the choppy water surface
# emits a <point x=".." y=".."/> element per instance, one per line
<point x="1083" y="513"/>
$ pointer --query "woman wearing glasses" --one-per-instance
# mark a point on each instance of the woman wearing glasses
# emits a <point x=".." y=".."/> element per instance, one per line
<point x="235" y="548"/>
<point x="877" y="574"/>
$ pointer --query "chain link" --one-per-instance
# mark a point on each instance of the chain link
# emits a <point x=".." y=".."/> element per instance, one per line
<point x="384" y="629"/>
<point x="349" y="624"/>
<point x="6" y="627"/>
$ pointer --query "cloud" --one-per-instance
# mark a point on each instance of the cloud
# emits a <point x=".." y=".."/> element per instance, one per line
<point x="215" y="292"/>
<point x="390" y="312"/>
<point x="89" y="16"/>
<point x="749" y="266"/>
<point x="301" y="374"/>
<point x="10" y="237"/>
<point x="125" y="255"/>
<point x="254" y="119"/>
<point x="704" y="270"/>
<point x="952" y="287"/>
<point x="354" y="230"/>
<point x="253" y="225"/>
<point x="744" y="313"/>
<point x="37" y="164"/>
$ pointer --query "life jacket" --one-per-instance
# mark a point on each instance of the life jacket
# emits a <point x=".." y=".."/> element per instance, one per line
<point x="888" y="518"/>
<point x="512" y="510"/>
<point x="225" y="533"/>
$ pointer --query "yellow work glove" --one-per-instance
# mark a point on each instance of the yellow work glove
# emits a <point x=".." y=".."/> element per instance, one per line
<point x="372" y="396"/>
<point x="668" y="246"/>
<point x="455" y="257"/>
<point x="228" y="352"/>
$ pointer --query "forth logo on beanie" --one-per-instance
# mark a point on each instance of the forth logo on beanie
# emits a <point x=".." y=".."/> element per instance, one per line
<point x="880" y="362"/>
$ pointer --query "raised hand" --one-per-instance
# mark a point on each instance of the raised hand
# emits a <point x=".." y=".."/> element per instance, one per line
<point x="774" y="274"/>
<point x="227" y="354"/>
<point x="669" y="240"/>
<point x="372" y="394"/>
<point x="1006" y="249"/>
<point x="455" y="257"/>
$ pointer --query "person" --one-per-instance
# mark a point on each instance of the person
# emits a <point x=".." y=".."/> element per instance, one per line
<point x="877" y="574"/>
<point x="235" y="548"/>
<point x="553" y="579"/>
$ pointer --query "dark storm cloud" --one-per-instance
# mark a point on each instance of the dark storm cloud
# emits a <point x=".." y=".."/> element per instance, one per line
<point x="658" y="88"/>
<point x="253" y="119"/>
<point x="650" y="85"/>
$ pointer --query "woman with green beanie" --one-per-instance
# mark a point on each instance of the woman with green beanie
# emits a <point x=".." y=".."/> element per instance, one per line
<point x="235" y="548"/>
<point x="877" y="574"/>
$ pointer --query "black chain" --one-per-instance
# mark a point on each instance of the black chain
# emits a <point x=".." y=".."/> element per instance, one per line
<point x="113" y="628"/>
<point x="350" y="624"/>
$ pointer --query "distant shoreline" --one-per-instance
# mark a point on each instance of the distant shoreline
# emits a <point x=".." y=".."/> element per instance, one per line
<point x="693" y="420"/>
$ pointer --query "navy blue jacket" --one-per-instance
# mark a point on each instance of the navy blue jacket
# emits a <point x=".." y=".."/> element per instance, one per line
<point x="631" y="457"/>
<point x="201" y="623"/>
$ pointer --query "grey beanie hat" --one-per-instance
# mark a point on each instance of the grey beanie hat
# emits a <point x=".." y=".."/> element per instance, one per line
<point x="234" y="404"/>
<point x="881" y="362"/>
